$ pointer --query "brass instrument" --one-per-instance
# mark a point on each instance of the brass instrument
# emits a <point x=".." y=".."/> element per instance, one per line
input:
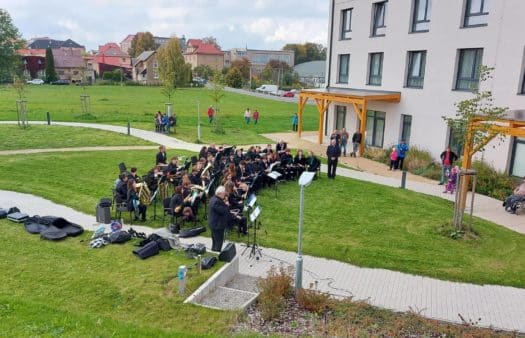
<point x="208" y="166"/>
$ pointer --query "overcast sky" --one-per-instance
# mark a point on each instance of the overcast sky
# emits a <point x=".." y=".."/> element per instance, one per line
<point x="259" y="24"/>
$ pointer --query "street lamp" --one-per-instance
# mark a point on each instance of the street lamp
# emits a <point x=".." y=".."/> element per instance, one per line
<point x="198" y="121"/>
<point x="304" y="181"/>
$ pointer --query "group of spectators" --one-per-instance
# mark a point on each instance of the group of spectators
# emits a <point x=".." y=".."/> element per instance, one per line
<point x="163" y="122"/>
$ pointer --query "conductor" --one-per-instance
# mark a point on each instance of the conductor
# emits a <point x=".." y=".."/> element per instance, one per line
<point x="219" y="218"/>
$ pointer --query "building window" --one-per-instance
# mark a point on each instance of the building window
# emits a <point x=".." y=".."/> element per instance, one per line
<point x="517" y="164"/>
<point x="375" y="128"/>
<point x="346" y="24"/>
<point x="476" y="13"/>
<point x="522" y="90"/>
<point x="344" y="65"/>
<point x="378" y="25"/>
<point x="455" y="141"/>
<point x="468" y="68"/>
<point x="421" y="15"/>
<point x="375" y="69"/>
<point x="406" y="126"/>
<point x="340" y="117"/>
<point x="416" y="69"/>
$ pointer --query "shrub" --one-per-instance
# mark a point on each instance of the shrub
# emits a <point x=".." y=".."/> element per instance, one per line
<point x="314" y="300"/>
<point x="491" y="182"/>
<point x="274" y="289"/>
<point x="377" y="154"/>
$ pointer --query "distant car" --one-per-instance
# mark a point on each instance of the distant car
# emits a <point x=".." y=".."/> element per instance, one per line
<point x="36" y="81"/>
<point x="60" y="82"/>
<point x="288" y="94"/>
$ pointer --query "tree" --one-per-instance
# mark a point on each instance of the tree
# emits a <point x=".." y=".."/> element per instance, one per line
<point x="212" y="41"/>
<point x="243" y="65"/>
<point x="51" y="74"/>
<point x="204" y="71"/>
<point x="143" y="41"/>
<point x="306" y="52"/>
<point x="172" y="68"/>
<point x="10" y="42"/>
<point x="234" y="78"/>
<point x="216" y="94"/>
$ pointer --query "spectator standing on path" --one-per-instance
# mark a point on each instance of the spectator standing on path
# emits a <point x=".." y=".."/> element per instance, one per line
<point x="295" y="122"/>
<point x="247" y="115"/>
<point x="332" y="153"/>
<point x="402" y="149"/>
<point x="356" y="142"/>
<point x="393" y="159"/>
<point x="344" y="140"/>
<point x="448" y="157"/>
<point x="336" y="136"/>
<point x="255" y="116"/>
<point x="211" y="113"/>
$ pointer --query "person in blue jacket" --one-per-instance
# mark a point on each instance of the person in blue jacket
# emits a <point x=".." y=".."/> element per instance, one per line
<point x="402" y="149"/>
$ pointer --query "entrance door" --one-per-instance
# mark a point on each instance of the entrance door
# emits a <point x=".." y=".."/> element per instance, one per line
<point x="340" y="117"/>
<point x="406" y="125"/>
<point x="375" y="128"/>
<point x="517" y="166"/>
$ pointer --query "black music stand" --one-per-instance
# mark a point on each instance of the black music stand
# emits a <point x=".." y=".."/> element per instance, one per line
<point x="255" y="250"/>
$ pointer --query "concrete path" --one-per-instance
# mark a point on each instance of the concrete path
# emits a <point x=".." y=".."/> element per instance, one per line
<point x="488" y="305"/>
<point x="74" y="149"/>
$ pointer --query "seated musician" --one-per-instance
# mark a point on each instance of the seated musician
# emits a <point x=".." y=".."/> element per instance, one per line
<point x="299" y="162"/>
<point x="173" y="166"/>
<point x="235" y="203"/>
<point x="204" y="152"/>
<point x="133" y="175"/>
<point x="268" y="149"/>
<point x="133" y="201"/>
<point x="212" y="149"/>
<point x="176" y="202"/>
<point x="280" y="148"/>
<point x="195" y="176"/>
<point x="239" y="156"/>
<point x="287" y="167"/>
<point x="186" y="186"/>
<point x="121" y="190"/>
<point x="161" y="157"/>
<point x="312" y="163"/>
<point x="250" y="154"/>
<point x="152" y="177"/>
<point x="244" y="173"/>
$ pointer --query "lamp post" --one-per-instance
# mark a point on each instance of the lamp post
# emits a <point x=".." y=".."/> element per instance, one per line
<point x="304" y="181"/>
<point x="198" y="121"/>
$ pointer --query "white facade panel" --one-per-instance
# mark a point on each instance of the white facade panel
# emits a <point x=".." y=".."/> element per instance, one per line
<point x="503" y="48"/>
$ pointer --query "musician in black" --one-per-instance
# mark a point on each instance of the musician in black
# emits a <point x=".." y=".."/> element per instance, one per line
<point x="162" y="158"/>
<point x="121" y="190"/>
<point x="133" y="201"/>
<point x="173" y="166"/>
<point x="219" y="218"/>
<point x="299" y="162"/>
<point x="287" y="167"/>
<point x="280" y="148"/>
<point x="133" y="175"/>
<point x="332" y="153"/>
<point x="312" y="163"/>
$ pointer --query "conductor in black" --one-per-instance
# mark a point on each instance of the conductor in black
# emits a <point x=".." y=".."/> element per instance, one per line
<point x="332" y="153"/>
<point x="219" y="218"/>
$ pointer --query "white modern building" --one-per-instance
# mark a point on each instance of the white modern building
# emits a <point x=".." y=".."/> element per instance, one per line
<point x="427" y="52"/>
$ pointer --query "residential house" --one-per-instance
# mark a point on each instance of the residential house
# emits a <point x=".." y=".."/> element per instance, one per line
<point x="199" y="53"/>
<point x="146" y="68"/>
<point x="259" y="58"/>
<point x="69" y="64"/>
<point x="34" y="61"/>
<point x="410" y="61"/>
<point x="109" y="57"/>
<point x="311" y="73"/>
<point x="125" y="44"/>
<point x="45" y="42"/>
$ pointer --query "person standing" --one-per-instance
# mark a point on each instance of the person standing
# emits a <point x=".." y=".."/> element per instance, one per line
<point x="336" y="136"/>
<point x="332" y="153"/>
<point x="402" y="149"/>
<point x="344" y="140"/>
<point x="356" y="142"/>
<point x="393" y="159"/>
<point x="219" y="218"/>
<point x="162" y="158"/>
<point x="211" y="113"/>
<point x="295" y="122"/>
<point x="247" y="115"/>
<point x="448" y="157"/>
<point x="255" y="116"/>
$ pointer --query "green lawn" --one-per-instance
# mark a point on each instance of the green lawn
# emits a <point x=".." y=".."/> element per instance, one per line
<point x="348" y="220"/>
<point x="120" y="104"/>
<point x="40" y="137"/>
<point x="66" y="289"/>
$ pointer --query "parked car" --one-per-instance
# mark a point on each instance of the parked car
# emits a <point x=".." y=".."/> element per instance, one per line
<point x="268" y="89"/>
<point x="36" y="81"/>
<point x="60" y="82"/>
<point x="288" y="94"/>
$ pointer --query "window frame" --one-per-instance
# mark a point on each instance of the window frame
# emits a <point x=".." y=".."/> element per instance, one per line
<point x="375" y="10"/>
<point x="370" y="67"/>
<point x="522" y="87"/>
<point x="415" y="21"/>
<point x="344" y="20"/>
<point x="422" y="68"/>
<point x="406" y="127"/>
<point x="340" y="57"/>
<point x="474" y="72"/>
<point x="374" y="115"/>
<point x="468" y="14"/>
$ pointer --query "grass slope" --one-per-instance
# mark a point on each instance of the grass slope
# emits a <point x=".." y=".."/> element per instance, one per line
<point x="116" y="104"/>
<point x="66" y="289"/>
<point x="40" y="137"/>
<point x="348" y="220"/>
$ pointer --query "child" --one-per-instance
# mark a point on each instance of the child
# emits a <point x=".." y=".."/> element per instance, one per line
<point x="452" y="179"/>
<point x="393" y="159"/>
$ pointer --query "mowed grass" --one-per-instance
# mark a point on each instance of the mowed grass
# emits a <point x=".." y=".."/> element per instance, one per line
<point x="41" y="137"/>
<point x="67" y="289"/>
<point x="348" y="220"/>
<point x="120" y="104"/>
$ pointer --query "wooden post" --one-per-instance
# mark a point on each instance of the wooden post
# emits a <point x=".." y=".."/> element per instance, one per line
<point x="466" y="164"/>
<point x="302" y="103"/>
<point x="362" y="128"/>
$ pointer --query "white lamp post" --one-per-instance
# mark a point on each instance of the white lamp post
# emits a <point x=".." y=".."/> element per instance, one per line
<point x="304" y="181"/>
<point x="198" y="121"/>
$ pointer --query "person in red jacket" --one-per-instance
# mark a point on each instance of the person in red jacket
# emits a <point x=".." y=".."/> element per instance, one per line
<point x="211" y="113"/>
<point x="255" y="116"/>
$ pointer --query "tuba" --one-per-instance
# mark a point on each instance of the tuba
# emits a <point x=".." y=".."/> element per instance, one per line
<point x="144" y="194"/>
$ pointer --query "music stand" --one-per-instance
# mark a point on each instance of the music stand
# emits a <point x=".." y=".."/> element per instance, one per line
<point x="274" y="175"/>
<point x="255" y="250"/>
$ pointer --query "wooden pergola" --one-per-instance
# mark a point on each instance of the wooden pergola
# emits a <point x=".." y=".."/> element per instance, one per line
<point x="358" y="98"/>
<point x="512" y="123"/>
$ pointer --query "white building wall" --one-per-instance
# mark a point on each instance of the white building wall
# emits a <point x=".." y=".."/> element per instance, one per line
<point x="502" y="41"/>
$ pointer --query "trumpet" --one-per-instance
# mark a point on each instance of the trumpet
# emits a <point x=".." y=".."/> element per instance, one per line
<point x="208" y="166"/>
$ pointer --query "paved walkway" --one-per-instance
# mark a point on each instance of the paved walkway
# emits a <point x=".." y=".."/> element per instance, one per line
<point x="74" y="149"/>
<point x="496" y="306"/>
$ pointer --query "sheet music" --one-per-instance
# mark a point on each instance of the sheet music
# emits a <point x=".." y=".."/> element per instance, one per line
<point x="255" y="214"/>
<point x="273" y="165"/>
<point x="274" y="175"/>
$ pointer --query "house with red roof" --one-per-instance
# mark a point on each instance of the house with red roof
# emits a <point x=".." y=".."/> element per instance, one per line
<point x="34" y="61"/>
<point x="109" y="57"/>
<point x="199" y="53"/>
